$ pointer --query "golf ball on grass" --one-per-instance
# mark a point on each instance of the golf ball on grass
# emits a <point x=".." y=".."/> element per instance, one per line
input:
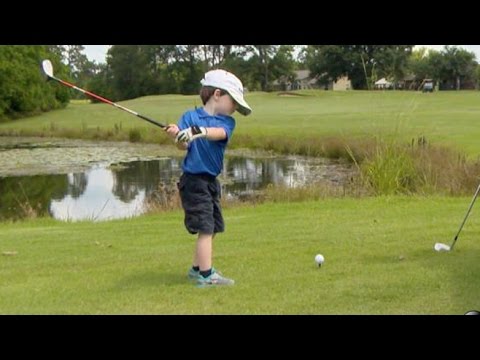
<point x="441" y="247"/>
<point x="319" y="259"/>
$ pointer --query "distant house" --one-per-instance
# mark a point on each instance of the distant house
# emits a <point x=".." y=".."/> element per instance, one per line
<point x="302" y="80"/>
<point x="409" y="82"/>
<point x="383" y="84"/>
<point x="342" y="84"/>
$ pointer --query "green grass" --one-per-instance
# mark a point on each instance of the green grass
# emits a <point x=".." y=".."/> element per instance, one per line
<point x="379" y="260"/>
<point x="448" y="118"/>
<point x="379" y="251"/>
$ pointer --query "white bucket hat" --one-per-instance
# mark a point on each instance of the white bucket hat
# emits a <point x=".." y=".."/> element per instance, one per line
<point x="225" y="80"/>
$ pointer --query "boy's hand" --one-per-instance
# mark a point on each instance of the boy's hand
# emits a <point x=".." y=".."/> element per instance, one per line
<point x="191" y="133"/>
<point x="172" y="130"/>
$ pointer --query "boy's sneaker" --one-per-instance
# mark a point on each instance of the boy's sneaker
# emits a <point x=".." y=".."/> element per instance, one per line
<point x="192" y="274"/>
<point x="214" y="279"/>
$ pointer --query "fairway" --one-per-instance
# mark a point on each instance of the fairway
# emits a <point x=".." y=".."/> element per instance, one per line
<point x="379" y="259"/>
<point x="448" y="117"/>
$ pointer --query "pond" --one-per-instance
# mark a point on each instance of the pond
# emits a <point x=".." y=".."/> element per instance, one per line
<point x="75" y="180"/>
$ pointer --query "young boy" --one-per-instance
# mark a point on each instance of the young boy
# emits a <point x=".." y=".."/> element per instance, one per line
<point x="204" y="133"/>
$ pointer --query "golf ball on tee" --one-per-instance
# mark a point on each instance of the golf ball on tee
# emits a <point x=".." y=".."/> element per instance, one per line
<point x="319" y="259"/>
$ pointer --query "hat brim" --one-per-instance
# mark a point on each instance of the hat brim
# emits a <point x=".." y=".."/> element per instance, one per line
<point x="243" y="108"/>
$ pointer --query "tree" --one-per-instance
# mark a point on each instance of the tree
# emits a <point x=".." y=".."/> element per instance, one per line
<point x="436" y="66"/>
<point x="190" y="66"/>
<point x="392" y="60"/>
<point x="259" y="65"/>
<point x="57" y="50"/>
<point x="458" y="65"/>
<point x="283" y="63"/>
<point x="262" y="55"/>
<point x="100" y="82"/>
<point x="75" y="58"/>
<point x="328" y="62"/>
<point x="215" y="55"/>
<point x="363" y="64"/>
<point x="129" y="71"/>
<point x="238" y="65"/>
<point x="477" y="76"/>
<point x="419" y="64"/>
<point x="23" y="89"/>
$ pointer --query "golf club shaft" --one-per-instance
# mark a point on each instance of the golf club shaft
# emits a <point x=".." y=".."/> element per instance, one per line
<point x="102" y="99"/>
<point x="466" y="216"/>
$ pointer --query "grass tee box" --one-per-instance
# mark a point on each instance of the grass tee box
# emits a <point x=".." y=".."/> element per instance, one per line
<point x="378" y="251"/>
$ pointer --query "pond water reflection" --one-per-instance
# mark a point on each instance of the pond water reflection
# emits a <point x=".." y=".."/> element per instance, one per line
<point x="124" y="189"/>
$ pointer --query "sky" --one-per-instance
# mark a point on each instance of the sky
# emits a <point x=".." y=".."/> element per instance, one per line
<point x="99" y="52"/>
<point x="96" y="52"/>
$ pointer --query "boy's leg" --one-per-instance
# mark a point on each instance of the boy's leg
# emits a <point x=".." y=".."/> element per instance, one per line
<point x="196" y="261"/>
<point x="215" y="278"/>
<point x="208" y="275"/>
<point x="194" y="271"/>
<point x="201" y="202"/>
<point x="203" y="252"/>
<point x="194" y="193"/>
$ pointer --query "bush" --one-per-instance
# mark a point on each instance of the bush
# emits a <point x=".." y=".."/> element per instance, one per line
<point x="134" y="135"/>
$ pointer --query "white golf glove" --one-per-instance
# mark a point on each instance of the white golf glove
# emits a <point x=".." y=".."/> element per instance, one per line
<point x="191" y="133"/>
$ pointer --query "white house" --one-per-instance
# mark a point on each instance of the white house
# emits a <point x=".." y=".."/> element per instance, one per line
<point x="383" y="84"/>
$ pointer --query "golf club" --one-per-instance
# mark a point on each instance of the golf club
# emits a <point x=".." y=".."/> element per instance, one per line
<point x="47" y="69"/>
<point x="444" y="247"/>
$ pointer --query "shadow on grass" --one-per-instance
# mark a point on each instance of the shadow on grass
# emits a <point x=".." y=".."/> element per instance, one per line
<point x="426" y="281"/>
<point x="462" y="270"/>
<point x="457" y="270"/>
<point x="152" y="278"/>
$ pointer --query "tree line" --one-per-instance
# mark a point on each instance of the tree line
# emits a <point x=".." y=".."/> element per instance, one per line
<point x="23" y="90"/>
<point x="132" y="71"/>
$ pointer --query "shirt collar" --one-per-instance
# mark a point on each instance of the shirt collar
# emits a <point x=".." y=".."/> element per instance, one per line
<point x="203" y="114"/>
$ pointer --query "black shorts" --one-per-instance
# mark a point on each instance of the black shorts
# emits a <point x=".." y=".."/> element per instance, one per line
<point x="200" y="196"/>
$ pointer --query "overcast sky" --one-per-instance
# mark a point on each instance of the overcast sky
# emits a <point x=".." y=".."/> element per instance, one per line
<point x="98" y="52"/>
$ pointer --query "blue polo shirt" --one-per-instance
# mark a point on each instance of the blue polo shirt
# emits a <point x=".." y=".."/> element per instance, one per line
<point x="205" y="156"/>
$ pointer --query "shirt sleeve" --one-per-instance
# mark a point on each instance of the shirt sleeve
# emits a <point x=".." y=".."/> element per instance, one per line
<point x="184" y="123"/>
<point x="229" y="126"/>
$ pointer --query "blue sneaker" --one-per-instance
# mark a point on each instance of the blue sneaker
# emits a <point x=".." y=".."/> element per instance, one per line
<point x="213" y="280"/>
<point x="192" y="274"/>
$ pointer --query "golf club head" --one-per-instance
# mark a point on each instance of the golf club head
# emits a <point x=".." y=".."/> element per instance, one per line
<point x="441" y="247"/>
<point x="47" y="68"/>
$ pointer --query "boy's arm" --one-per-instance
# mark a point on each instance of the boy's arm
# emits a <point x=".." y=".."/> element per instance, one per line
<point x="216" y="133"/>
<point x="182" y="145"/>
<point x="195" y="132"/>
